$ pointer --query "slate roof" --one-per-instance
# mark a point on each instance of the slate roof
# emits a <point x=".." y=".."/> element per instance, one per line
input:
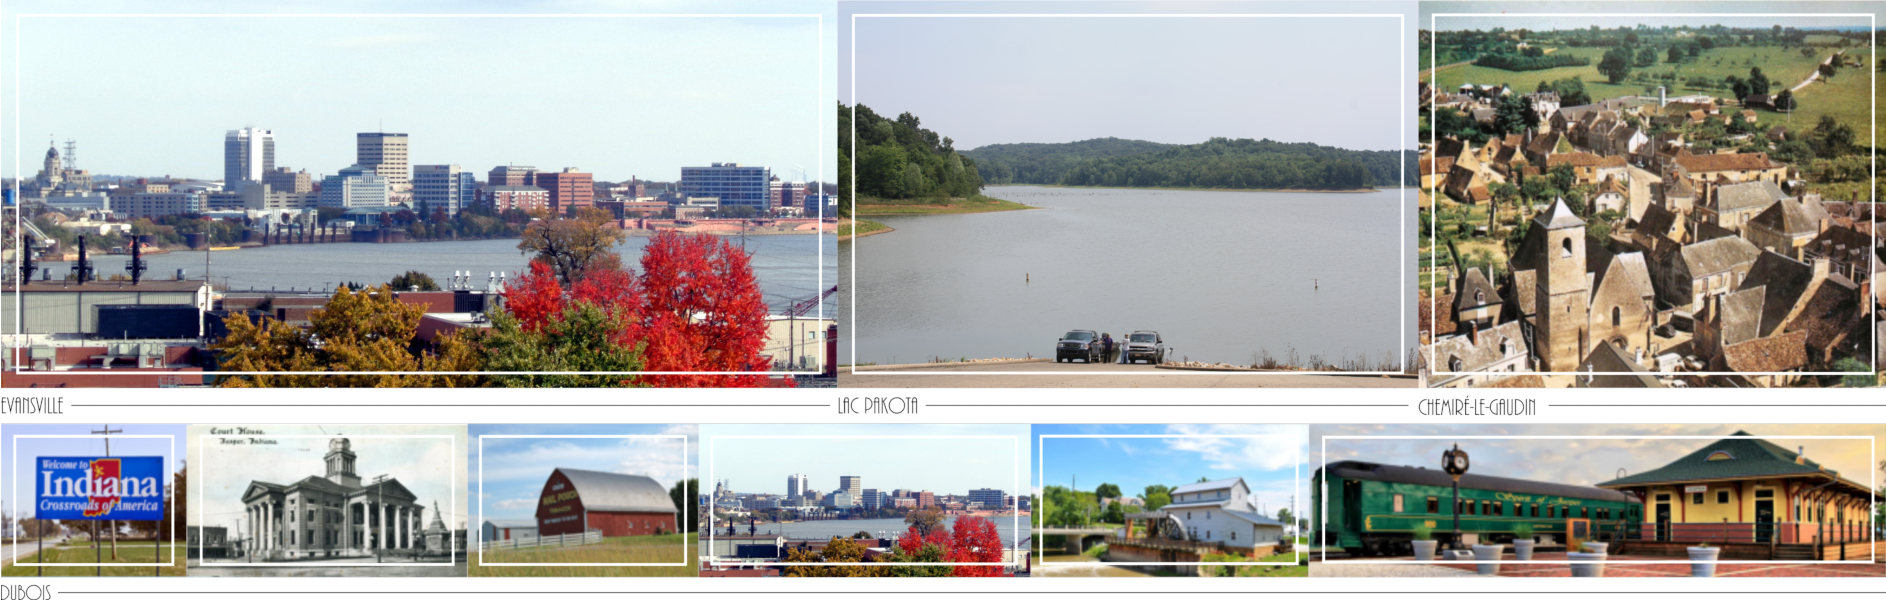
<point x="1206" y="486"/>
<point x="1740" y="315"/>
<point x="616" y="492"/>
<point x="1479" y="353"/>
<point x="1790" y="217"/>
<point x="1752" y="457"/>
<point x="1254" y="518"/>
<point x="1784" y="282"/>
<point x="1718" y="255"/>
<point x="1472" y="282"/>
<point x="1608" y="358"/>
<point x="1704" y="163"/>
<point x="1559" y="216"/>
<point x="1658" y="220"/>
<point x="1747" y="196"/>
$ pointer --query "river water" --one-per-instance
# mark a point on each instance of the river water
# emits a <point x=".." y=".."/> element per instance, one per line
<point x="1004" y="526"/>
<point x="1221" y="275"/>
<point x="788" y="266"/>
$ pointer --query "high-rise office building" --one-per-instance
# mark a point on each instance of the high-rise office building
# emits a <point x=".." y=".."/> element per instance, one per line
<point x="851" y="484"/>
<point x="990" y="498"/>
<point x="512" y="175"/>
<point x="735" y="185"/>
<point x="795" y="486"/>
<point x="438" y="188"/>
<point x="385" y="153"/>
<point x="248" y="155"/>
<point x="569" y="189"/>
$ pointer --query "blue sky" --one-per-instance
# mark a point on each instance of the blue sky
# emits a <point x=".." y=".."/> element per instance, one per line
<point x="1586" y="461"/>
<point x="901" y="458"/>
<point x="994" y="80"/>
<point x="513" y="470"/>
<point x="616" y="97"/>
<point x="1648" y="9"/>
<point x="1272" y="466"/>
<point x="18" y="493"/>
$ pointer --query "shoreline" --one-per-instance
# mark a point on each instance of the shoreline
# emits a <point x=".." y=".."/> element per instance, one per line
<point x="882" y="228"/>
<point x="1179" y="189"/>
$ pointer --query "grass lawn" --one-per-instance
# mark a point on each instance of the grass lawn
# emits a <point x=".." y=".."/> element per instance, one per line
<point x="1287" y="566"/>
<point x="128" y="552"/>
<point x="1786" y="67"/>
<point x="921" y="206"/>
<point x="634" y="549"/>
<point x="851" y="227"/>
<point x="1846" y="97"/>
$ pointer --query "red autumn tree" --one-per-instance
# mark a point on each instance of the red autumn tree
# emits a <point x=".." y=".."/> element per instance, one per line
<point x="696" y="307"/>
<point x="974" y="540"/>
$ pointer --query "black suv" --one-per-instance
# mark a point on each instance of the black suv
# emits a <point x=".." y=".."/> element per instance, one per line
<point x="1083" y="344"/>
<point x="1146" y="346"/>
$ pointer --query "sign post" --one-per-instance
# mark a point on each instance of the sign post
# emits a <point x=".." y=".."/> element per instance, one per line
<point x="93" y="488"/>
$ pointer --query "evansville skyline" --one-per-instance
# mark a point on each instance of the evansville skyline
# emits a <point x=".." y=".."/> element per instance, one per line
<point x="684" y="91"/>
<point x="915" y="457"/>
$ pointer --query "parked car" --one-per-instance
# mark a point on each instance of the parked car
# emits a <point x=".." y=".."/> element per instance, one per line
<point x="1083" y="344"/>
<point x="1146" y="346"/>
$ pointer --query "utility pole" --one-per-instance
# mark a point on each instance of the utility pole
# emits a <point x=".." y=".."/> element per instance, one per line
<point x="100" y="570"/>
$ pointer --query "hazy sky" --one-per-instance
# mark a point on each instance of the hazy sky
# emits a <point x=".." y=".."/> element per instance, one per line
<point x="16" y="484"/>
<point x="514" y="469"/>
<point x="430" y="467"/>
<point x="1583" y="462"/>
<point x="902" y="460"/>
<point x="1004" y="79"/>
<point x="1643" y="13"/>
<point x="614" y="96"/>
<point x="1269" y="465"/>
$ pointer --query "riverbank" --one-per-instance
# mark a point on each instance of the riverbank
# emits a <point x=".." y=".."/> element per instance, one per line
<point x="935" y="206"/>
<point x="857" y="228"/>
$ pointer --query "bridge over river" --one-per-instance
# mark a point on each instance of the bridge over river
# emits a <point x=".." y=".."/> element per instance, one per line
<point x="1079" y="539"/>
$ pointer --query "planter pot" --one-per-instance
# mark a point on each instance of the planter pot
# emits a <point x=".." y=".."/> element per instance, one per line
<point x="1597" y="547"/>
<point x="1522" y="549"/>
<point x="1457" y="555"/>
<point x="1703" y="561"/>
<point x="1586" y="564"/>
<point x="1489" y="557"/>
<point x="1424" y="550"/>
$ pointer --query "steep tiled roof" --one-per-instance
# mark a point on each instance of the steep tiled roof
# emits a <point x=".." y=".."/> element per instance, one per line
<point x="1559" y="216"/>
<point x="1718" y="255"/>
<point x="1772" y="354"/>
<point x="1790" y="217"/>
<point x="1738" y="456"/>
<point x="1475" y="291"/>
<point x="1657" y="220"/>
<point x="1704" y="163"/>
<point x="1584" y="159"/>
<point x="1784" y="281"/>
<point x="1740" y="314"/>
<point x="1608" y="358"/>
<point x="1750" y="195"/>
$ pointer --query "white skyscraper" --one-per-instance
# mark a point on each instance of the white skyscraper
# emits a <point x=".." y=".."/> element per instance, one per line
<point x="248" y="154"/>
<point x="795" y="486"/>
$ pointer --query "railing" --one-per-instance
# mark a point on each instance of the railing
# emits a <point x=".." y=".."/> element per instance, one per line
<point x="592" y="536"/>
<point x="1715" y="533"/>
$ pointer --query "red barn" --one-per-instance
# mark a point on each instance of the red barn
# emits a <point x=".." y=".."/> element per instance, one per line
<point x="575" y="501"/>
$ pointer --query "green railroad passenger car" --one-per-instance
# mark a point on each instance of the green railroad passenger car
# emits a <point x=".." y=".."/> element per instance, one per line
<point x="1373" y="509"/>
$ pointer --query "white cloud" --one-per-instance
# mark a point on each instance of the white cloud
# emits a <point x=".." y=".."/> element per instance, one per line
<point x="1280" y="449"/>
<point x="514" y="504"/>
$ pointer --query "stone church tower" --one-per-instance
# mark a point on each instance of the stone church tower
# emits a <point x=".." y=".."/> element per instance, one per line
<point x="340" y="463"/>
<point x="1564" y="292"/>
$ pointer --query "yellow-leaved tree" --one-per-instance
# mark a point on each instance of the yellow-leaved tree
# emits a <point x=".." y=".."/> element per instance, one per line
<point x="364" y="331"/>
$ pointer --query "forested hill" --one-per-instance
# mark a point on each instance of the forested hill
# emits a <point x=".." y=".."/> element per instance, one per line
<point x="1216" y="163"/>
<point x="1048" y="163"/>
<point x="900" y="159"/>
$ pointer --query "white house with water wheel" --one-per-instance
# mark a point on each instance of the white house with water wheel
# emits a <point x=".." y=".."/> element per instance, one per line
<point x="1222" y="511"/>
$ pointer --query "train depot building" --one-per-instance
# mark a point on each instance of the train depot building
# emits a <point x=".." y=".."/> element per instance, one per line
<point x="1754" y="498"/>
<point x="577" y="501"/>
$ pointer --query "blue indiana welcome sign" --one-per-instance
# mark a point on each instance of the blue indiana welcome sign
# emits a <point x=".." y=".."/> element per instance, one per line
<point x="99" y="488"/>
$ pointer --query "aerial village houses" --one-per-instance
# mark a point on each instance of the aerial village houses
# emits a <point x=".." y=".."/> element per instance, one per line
<point x="1755" y="499"/>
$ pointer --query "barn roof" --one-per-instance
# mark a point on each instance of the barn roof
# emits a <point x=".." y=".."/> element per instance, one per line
<point x="512" y="523"/>
<point x="616" y="492"/>
<point x="1350" y="469"/>
<point x="1205" y="486"/>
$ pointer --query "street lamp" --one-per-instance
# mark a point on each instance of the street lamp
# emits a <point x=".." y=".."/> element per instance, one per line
<point x="1455" y="462"/>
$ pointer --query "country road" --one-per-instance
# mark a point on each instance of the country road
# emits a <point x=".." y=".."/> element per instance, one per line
<point x="10" y="553"/>
<point x="1812" y="76"/>
<point x="1081" y="375"/>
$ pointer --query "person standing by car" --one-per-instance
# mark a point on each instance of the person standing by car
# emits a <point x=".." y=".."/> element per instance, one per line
<point x="1106" y="347"/>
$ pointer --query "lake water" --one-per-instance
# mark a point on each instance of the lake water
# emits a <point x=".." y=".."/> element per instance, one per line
<point x="788" y="266"/>
<point x="1220" y="275"/>
<point x="1004" y="526"/>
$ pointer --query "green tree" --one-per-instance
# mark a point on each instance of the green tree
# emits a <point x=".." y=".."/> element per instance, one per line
<point x="683" y="494"/>
<point x="1676" y="54"/>
<point x="1513" y="115"/>
<point x="1616" y="65"/>
<point x="1107" y="490"/>
<point x="1757" y="81"/>
<point x="413" y="281"/>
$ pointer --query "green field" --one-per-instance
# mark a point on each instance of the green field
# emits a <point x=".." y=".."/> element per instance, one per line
<point x="921" y="206"/>
<point x="634" y="549"/>
<point x="1785" y="67"/>
<point x="1287" y="566"/>
<point x="128" y="552"/>
<point x="1846" y="97"/>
